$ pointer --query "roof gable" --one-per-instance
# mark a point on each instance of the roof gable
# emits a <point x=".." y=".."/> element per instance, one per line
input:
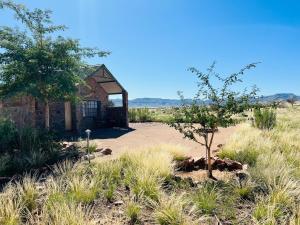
<point x="108" y="82"/>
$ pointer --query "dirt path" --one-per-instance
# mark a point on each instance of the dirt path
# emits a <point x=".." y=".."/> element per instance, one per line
<point x="152" y="134"/>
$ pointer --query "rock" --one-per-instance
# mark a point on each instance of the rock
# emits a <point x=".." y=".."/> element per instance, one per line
<point x="219" y="164"/>
<point x="226" y="164"/>
<point x="99" y="150"/>
<point x="200" y="163"/>
<point x="118" y="203"/>
<point x="233" y="165"/>
<point x="89" y="157"/>
<point x="106" y="151"/>
<point x="65" y="144"/>
<point x="186" y="165"/>
<point x="220" y="145"/>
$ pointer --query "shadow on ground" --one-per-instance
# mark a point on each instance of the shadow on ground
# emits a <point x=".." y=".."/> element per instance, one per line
<point x="100" y="133"/>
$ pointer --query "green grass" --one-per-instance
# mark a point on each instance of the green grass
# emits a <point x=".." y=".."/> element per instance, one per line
<point x="170" y="211"/>
<point x="205" y="199"/>
<point x="142" y="115"/>
<point x="133" y="211"/>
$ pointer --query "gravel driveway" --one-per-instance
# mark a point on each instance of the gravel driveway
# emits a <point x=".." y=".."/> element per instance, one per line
<point x="141" y="135"/>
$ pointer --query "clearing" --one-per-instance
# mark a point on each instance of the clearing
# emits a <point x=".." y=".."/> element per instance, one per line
<point x="143" y="135"/>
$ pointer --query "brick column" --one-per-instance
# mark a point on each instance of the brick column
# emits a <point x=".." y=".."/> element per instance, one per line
<point x="125" y="108"/>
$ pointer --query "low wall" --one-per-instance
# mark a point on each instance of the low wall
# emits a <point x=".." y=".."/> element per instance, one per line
<point x="116" y="117"/>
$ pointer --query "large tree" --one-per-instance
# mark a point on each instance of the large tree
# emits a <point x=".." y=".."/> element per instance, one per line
<point x="36" y="61"/>
<point x="213" y="106"/>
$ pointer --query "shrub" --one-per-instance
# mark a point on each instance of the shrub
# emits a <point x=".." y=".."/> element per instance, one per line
<point x="28" y="193"/>
<point x="205" y="199"/>
<point x="81" y="189"/>
<point x="144" y="174"/>
<point x="10" y="207"/>
<point x="66" y="213"/>
<point x="8" y="135"/>
<point x="248" y="156"/>
<point x="245" y="192"/>
<point x="170" y="211"/>
<point x="110" y="191"/>
<point x="145" y="185"/>
<point x="5" y="163"/>
<point x="264" y="119"/>
<point x="140" y="115"/>
<point x="25" y="148"/>
<point x="133" y="211"/>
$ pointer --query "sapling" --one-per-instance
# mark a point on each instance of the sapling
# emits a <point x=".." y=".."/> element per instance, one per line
<point x="213" y="106"/>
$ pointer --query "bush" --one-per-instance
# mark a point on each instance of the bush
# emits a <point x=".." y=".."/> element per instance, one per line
<point x="170" y="211"/>
<point x="264" y="119"/>
<point x="133" y="211"/>
<point x="81" y="189"/>
<point x="140" y="115"/>
<point x="25" y="148"/>
<point x="11" y="207"/>
<point x="247" y="156"/>
<point x="8" y="135"/>
<point x="205" y="199"/>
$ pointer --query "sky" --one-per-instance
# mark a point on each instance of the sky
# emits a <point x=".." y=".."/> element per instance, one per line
<point x="154" y="42"/>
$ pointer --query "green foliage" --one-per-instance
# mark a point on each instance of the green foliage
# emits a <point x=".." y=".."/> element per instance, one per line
<point x="145" y="185"/>
<point x="8" y="134"/>
<point x="10" y="210"/>
<point x="37" y="62"/>
<point x="170" y="211"/>
<point x="245" y="192"/>
<point x="248" y="156"/>
<point x="132" y="211"/>
<point x="110" y="191"/>
<point x="264" y="119"/>
<point x="205" y="199"/>
<point x="212" y="107"/>
<point x="91" y="149"/>
<point x="26" y="148"/>
<point x="28" y="193"/>
<point x="140" y="115"/>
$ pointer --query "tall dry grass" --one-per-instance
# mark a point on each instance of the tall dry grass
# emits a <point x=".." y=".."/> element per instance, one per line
<point x="275" y="168"/>
<point x="76" y="194"/>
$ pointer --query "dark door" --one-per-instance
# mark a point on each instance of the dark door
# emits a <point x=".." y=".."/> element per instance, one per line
<point x="98" y="109"/>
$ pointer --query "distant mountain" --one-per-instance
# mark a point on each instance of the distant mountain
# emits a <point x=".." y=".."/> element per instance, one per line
<point x="279" y="97"/>
<point x="161" y="102"/>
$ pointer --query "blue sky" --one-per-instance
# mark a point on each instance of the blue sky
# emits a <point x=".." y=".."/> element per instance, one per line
<point x="154" y="42"/>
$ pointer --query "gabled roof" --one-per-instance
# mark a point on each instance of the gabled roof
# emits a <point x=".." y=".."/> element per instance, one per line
<point x="107" y="81"/>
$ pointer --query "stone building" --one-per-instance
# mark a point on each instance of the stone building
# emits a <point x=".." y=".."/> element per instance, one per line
<point x="93" y="111"/>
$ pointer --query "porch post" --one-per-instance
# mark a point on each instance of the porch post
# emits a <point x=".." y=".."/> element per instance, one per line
<point x="125" y="108"/>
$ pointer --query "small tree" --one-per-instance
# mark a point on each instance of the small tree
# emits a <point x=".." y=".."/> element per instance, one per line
<point x="35" y="62"/>
<point x="292" y="100"/>
<point x="211" y="108"/>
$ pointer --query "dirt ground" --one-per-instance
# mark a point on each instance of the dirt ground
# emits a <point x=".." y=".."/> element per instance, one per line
<point x="142" y="135"/>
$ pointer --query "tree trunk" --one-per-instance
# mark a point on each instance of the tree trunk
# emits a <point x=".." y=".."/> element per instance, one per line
<point x="209" y="168"/>
<point x="47" y="115"/>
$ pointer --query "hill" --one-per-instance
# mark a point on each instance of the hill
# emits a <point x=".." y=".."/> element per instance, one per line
<point x="161" y="102"/>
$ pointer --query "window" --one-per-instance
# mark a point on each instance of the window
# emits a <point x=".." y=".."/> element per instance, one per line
<point x="115" y="100"/>
<point x="89" y="109"/>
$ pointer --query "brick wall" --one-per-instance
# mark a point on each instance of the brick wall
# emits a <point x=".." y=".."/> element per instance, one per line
<point x="92" y="91"/>
<point x="57" y="115"/>
<point x="19" y="109"/>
